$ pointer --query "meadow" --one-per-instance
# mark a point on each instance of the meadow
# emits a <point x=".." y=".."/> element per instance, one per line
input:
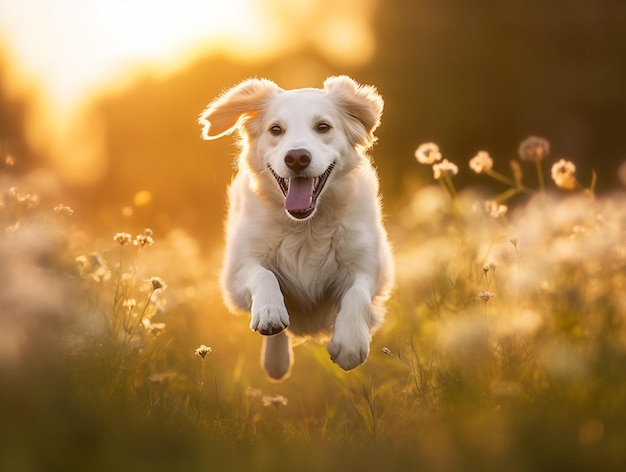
<point x="504" y="346"/>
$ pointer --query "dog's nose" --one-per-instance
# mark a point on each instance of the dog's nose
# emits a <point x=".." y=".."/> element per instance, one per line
<point x="298" y="159"/>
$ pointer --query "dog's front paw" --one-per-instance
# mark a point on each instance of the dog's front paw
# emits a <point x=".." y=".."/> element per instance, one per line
<point x="349" y="350"/>
<point x="269" y="320"/>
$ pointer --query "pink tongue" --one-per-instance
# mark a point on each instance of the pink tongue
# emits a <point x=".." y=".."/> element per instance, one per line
<point x="299" y="195"/>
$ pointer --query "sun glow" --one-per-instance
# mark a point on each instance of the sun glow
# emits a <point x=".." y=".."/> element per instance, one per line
<point x="79" y="44"/>
<point x="62" y="52"/>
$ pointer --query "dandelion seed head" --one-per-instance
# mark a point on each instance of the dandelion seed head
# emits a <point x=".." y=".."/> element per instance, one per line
<point x="427" y="153"/>
<point x="563" y="174"/>
<point x="533" y="149"/>
<point x="203" y="350"/>
<point x="444" y="167"/>
<point x="481" y="162"/>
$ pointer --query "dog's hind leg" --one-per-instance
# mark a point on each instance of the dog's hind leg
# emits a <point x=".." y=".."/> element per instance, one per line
<point x="277" y="357"/>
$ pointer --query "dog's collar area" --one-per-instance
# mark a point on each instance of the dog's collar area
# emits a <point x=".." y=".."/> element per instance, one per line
<point x="301" y="193"/>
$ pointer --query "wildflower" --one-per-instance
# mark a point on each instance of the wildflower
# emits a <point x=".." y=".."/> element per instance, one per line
<point x="28" y="200"/>
<point x="486" y="296"/>
<point x="444" y="167"/>
<point x="533" y="149"/>
<point x="203" y="350"/>
<point x="481" y="162"/>
<point x="94" y="267"/>
<point x="144" y="239"/>
<point x="154" y="328"/>
<point x="130" y="304"/>
<point x="122" y="238"/>
<point x="276" y="400"/>
<point x="157" y="283"/>
<point x="63" y="210"/>
<point x="428" y="153"/>
<point x="495" y="209"/>
<point x="252" y="392"/>
<point x="563" y="174"/>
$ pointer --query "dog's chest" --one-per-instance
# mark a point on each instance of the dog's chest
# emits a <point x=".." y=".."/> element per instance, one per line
<point x="310" y="264"/>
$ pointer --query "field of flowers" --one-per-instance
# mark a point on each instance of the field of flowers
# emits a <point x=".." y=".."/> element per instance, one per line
<point x="504" y="346"/>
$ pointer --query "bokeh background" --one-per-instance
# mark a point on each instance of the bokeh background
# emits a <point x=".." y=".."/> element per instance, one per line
<point x="104" y="95"/>
<point x="98" y="136"/>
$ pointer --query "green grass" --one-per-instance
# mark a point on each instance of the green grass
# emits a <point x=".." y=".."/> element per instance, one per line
<point x="504" y="348"/>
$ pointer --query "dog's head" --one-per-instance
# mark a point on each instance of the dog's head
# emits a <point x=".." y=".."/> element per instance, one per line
<point x="302" y="138"/>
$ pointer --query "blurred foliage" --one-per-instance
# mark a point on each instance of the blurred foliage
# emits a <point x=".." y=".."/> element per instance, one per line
<point x="503" y="349"/>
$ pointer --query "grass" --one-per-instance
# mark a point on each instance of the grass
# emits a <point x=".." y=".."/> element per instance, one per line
<point x="504" y="347"/>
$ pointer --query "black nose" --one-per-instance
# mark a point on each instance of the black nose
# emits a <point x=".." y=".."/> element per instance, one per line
<point x="298" y="159"/>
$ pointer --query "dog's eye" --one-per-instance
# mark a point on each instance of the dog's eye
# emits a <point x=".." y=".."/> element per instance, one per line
<point x="323" y="127"/>
<point x="276" y="130"/>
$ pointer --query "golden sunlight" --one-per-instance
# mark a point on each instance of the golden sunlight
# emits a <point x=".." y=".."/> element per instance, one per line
<point x="63" y="52"/>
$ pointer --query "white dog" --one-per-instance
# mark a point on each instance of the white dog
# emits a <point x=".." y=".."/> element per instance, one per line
<point x="305" y="244"/>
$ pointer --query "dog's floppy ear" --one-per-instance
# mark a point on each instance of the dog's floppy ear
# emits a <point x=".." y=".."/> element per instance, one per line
<point x="361" y="103"/>
<point x="228" y="111"/>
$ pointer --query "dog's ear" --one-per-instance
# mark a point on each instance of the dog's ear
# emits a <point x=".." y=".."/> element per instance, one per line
<point x="362" y="105"/>
<point x="236" y="105"/>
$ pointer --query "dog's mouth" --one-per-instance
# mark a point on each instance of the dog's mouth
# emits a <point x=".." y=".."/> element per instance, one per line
<point x="301" y="193"/>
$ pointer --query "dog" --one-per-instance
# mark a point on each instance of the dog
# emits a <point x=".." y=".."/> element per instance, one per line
<point x="306" y="251"/>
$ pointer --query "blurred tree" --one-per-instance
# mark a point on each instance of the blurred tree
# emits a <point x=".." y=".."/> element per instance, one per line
<point x="15" y="153"/>
<point x="484" y="75"/>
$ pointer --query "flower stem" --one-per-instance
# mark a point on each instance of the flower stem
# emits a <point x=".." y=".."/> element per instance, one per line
<point x="540" y="176"/>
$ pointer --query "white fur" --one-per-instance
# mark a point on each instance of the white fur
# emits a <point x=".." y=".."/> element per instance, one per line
<point x="329" y="273"/>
